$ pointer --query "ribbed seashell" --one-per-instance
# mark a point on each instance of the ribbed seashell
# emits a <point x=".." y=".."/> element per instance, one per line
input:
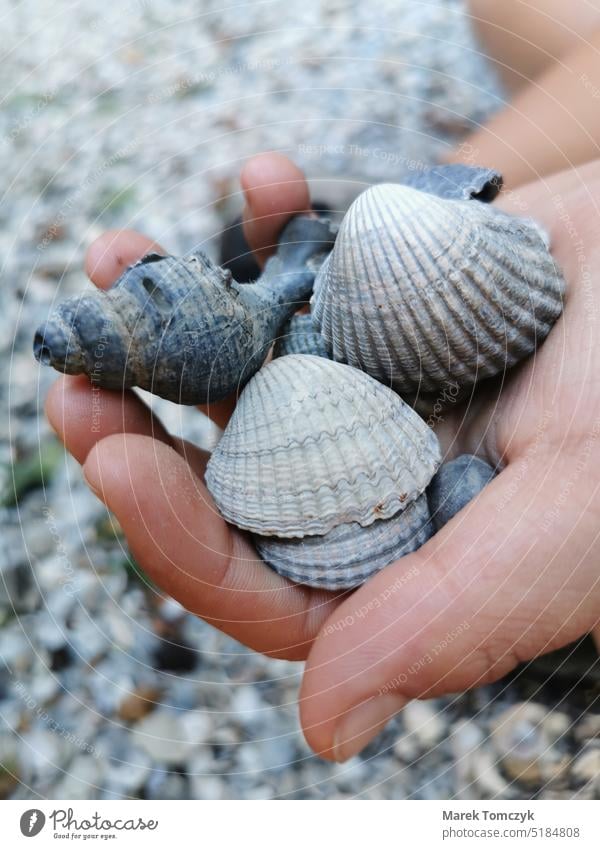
<point x="313" y="444"/>
<point x="420" y="290"/>
<point x="454" y="485"/>
<point x="299" y="336"/>
<point x="349" y="554"/>
<point x="182" y="327"/>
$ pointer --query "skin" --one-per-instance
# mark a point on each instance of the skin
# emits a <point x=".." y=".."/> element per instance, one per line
<point x="513" y="575"/>
<point x="548" y="53"/>
<point x="524" y="37"/>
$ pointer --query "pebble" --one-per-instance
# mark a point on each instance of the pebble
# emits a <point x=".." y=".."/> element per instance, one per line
<point x="206" y="787"/>
<point x="169" y="738"/>
<point x="137" y="704"/>
<point x="587" y="728"/>
<point x="127" y="770"/>
<point x="586" y="767"/>
<point x="527" y="740"/>
<point x="83" y="779"/>
<point x="424" y="721"/>
<point x="165" y="785"/>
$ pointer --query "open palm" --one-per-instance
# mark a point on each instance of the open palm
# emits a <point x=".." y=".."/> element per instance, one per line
<point x="513" y="575"/>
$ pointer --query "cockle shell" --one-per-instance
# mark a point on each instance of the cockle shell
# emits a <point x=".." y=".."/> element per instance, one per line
<point x="313" y="444"/>
<point x="421" y="290"/>
<point x="181" y="327"/>
<point x="299" y="336"/>
<point x="454" y="485"/>
<point x="349" y="554"/>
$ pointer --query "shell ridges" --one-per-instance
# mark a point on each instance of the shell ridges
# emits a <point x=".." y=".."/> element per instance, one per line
<point x="419" y="289"/>
<point x="313" y="444"/>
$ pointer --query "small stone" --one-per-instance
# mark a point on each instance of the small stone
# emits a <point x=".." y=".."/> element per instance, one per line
<point x="588" y="728"/>
<point x="137" y="704"/>
<point x="127" y="771"/>
<point x="406" y="748"/>
<point x="166" y="785"/>
<point x="17" y="588"/>
<point x="83" y="779"/>
<point x="424" y="721"/>
<point x="248" y="706"/>
<point x="206" y="787"/>
<point x="196" y="726"/>
<point x="164" y="737"/>
<point x="586" y="767"/>
<point x="43" y="756"/>
<point x="526" y="741"/>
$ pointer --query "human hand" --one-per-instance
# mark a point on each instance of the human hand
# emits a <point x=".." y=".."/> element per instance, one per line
<point x="511" y="576"/>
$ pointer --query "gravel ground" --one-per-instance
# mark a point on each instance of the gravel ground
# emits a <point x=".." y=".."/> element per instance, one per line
<point x="141" y="116"/>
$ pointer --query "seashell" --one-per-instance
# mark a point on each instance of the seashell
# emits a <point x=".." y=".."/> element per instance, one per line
<point x="421" y="290"/>
<point x="348" y="554"/>
<point x="454" y="485"/>
<point x="313" y="444"/>
<point x="182" y="327"/>
<point x="299" y="336"/>
<point x="457" y="182"/>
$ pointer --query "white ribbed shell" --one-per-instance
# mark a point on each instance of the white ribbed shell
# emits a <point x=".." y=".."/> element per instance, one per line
<point x="313" y="444"/>
<point x="421" y="290"/>
<point x="349" y="554"/>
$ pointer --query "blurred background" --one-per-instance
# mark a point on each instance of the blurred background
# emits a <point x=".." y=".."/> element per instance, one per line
<point x="141" y="115"/>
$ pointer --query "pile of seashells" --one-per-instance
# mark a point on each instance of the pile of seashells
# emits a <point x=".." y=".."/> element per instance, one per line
<point x="325" y="460"/>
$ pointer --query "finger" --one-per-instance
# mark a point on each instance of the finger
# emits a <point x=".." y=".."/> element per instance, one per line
<point x="501" y="583"/>
<point x="275" y="189"/>
<point x="113" y="252"/>
<point x="566" y="206"/>
<point x="180" y="540"/>
<point x="82" y="415"/>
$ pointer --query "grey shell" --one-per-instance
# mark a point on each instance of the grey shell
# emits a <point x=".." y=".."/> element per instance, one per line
<point x="180" y="326"/>
<point x="421" y="290"/>
<point x="349" y="554"/>
<point x="454" y="485"/>
<point x="313" y="444"/>
<point x="457" y="182"/>
<point x="299" y="336"/>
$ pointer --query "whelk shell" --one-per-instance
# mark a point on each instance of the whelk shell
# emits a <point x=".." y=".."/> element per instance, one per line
<point x="182" y="327"/>
<point x="313" y="444"/>
<point x="420" y="290"/>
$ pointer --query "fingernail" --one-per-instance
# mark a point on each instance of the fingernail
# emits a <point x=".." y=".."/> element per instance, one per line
<point x="360" y="725"/>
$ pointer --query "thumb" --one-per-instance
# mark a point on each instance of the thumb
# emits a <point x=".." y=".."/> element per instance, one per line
<point x="275" y="189"/>
<point x="497" y="585"/>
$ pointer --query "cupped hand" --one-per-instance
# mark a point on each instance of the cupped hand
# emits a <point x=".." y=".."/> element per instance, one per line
<point x="513" y="575"/>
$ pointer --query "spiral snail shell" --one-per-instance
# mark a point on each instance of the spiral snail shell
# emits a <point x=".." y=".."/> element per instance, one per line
<point x="182" y="327"/>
